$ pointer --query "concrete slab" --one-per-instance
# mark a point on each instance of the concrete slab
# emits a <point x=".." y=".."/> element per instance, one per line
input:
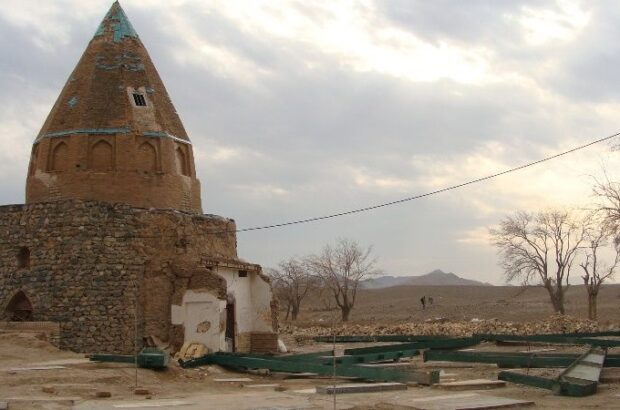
<point x="152" y="404"/>
<point x="360" y="388"/>
<point x="466" y="402"/>
<point x="4" y="405"/>
<point x="474" y="384"/>
<point x="262" y="386"/>
<point x="304" y="391"/>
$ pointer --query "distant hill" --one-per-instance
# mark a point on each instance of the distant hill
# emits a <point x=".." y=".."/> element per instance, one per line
<point x="434" y="278"/>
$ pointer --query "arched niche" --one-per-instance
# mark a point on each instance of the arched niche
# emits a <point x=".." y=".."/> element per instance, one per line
<point x="181" y="160"/>
<point x="60" y="157"/>
<point x="147" y="158"/>
<point x="33" y="159"/>
<point x="101" y="156"/>
<point x="19" y="308"/>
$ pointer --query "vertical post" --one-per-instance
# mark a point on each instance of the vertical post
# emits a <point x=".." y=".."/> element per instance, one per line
<point x="135" y="330"/>
<point x="334" y="356"/>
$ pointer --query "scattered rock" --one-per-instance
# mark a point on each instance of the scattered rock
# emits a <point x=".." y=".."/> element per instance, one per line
<point x="444" y="327"/>
<point x="141" y="391"/>
<point x="103" y="394"/>
<point x="48" y="389"/>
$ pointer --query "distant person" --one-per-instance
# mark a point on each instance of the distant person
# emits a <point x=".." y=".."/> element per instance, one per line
<point x="423" y="302"/>
<point x="430" y="301"/>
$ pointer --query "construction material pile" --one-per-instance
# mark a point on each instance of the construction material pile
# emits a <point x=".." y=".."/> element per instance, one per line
<point x="553" y="324"/>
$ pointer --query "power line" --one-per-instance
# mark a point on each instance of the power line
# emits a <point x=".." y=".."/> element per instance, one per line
<point x="427" y="194"/>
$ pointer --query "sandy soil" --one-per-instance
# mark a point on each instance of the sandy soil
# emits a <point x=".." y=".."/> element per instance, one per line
<point x="75" y="385"/>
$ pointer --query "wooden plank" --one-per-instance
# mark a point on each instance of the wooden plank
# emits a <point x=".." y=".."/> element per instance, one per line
<point x="474" y="384"/>
<point x="360" y="388"/>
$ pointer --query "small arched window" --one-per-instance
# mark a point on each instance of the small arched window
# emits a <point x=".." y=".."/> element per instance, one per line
<point x="23" y="258"/>
<point x="19" y="308"/>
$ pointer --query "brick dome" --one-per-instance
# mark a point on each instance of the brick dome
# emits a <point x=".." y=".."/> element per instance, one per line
<point x="113" y="134"/>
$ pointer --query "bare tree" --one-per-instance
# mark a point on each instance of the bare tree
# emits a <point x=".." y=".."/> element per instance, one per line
<point x="341" y="268"/>
<point x="292" y="281"/>
<point x="541" y="248"/>
<point x="595" y="271"/>
<point x="608" y="207"/>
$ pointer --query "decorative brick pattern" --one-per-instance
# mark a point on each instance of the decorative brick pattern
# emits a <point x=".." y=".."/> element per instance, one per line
<point x="92" y="144"/>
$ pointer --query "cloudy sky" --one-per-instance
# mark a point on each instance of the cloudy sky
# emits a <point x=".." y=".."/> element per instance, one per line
<point x="303" y="108"/>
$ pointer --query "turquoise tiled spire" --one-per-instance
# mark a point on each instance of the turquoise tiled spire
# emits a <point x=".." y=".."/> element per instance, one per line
<point x="117" y="22"/>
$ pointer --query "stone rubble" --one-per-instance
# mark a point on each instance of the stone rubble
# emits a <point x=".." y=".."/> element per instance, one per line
<point x="553" y="324"/>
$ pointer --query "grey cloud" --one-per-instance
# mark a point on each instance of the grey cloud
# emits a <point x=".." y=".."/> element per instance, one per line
<point x="309" y="125"/>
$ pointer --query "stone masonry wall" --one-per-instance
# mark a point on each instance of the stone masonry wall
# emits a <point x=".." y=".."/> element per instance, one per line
<point x="87" y="259"/>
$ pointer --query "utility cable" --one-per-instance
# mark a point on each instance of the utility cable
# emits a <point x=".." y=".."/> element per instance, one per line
<point x="427" y="194"/>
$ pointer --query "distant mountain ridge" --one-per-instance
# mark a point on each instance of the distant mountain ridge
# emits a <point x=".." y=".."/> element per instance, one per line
<point x="434" y="278"/>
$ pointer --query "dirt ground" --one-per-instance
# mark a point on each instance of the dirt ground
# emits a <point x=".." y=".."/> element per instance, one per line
<point x="506" y="303"/>
<point x="74" y="386"/>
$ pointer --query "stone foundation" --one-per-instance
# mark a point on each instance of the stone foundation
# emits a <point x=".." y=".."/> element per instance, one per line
<point x="92" y="263"/>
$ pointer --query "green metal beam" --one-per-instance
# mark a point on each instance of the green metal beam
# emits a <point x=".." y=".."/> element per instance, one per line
<point x="552" y="339"/>
<point x="453" y="343"/>
<point x="577" y="380"/>
<point x="112" y="358"/>
<point x="273" y="364"/>
<point x="513" y="359"/>
<point x="369" y="357"/>
<point x="558" y="387"/>
<point x="148" y="358"/>
<point x="510" y="359"/>
<point x="423" y="338"/>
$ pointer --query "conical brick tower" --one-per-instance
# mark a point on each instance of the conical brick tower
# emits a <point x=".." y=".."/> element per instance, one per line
<point x="113" y="135"/>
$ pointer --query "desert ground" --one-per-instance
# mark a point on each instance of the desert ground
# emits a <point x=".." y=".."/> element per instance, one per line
<point x="76" y="382"/>
<point x="463" y="303"/>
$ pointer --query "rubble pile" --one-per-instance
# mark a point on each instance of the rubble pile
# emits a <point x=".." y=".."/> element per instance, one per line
<point x="437" y="327"/>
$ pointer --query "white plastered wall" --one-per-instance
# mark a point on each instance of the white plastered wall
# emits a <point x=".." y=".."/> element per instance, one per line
<point x="252" y="300"/>
<point x="204" y="317"/>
